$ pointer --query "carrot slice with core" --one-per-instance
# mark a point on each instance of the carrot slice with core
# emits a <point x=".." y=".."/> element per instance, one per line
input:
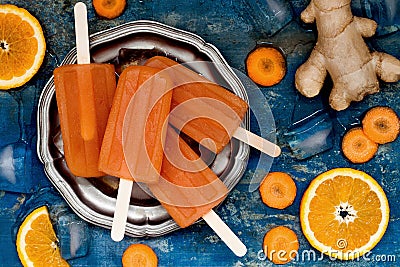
<point x="139" y="255"/>
<point x="357" y="147"/>
<point x="109" y="9"/>
<point x="266" y="66"/>
<point x="278" y="190"/>
<point x="381" y="125"/>
<point x="280" y="245"/>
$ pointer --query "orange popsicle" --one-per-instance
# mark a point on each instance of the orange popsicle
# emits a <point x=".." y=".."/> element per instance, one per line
<point x="84" y="94"/>
<point x="207" y="112"/>
<point x="139" y="95"/>
<point x="187" y="188"/>
<point x="225" y="119"/>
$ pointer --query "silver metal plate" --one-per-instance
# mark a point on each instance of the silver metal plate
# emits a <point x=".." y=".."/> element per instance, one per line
<point x="93" y="199"/>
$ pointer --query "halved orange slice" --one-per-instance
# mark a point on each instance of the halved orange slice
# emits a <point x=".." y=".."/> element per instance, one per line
<point x="22" y="46"/>
<point x="37" y="241"/>
<point x="344" y="213"/>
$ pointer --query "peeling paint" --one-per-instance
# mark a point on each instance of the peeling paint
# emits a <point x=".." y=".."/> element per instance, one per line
<point x="231" y="208"/>
<point x="21" y="201"/>
<point x="163" y="245"/>
<point x="172" y="18"/>
<point x="238" y="264"/>
<point x="213" y="239"/>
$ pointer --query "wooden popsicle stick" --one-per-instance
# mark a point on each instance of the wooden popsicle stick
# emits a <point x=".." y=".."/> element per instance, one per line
<point x="121" y="210"/>
<point x="257" y="142"/>
<point x="86" y="97"/>
<point x="81" y="34"/>
<point x="225" y="233"/>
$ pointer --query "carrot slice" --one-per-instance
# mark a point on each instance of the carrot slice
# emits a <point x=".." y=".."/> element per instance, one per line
<point x="357" y="147"/>
<point x="278" y="190"/>
<point x="381" y="125"/>
<point x="280" y="245"/>
<point x="139" y="255"/>
<point x="109" y="9"/>
<point x="266" y="66"/>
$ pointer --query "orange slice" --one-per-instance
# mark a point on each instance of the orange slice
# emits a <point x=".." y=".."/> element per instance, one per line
<point x="344" y="213"/>
<point x="22" y="46"/>
<point x="37" y="241"/>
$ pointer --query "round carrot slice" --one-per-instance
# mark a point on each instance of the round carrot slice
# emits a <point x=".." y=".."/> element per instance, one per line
<point x="109" y="9"/>
<point x="280" y="245"/>
<point x="139" y="255"/>
<point x="278" y="190"/>
<point x="381" y="125"/>
<point x="357" y="147"/>
<point x="266" y="66"/>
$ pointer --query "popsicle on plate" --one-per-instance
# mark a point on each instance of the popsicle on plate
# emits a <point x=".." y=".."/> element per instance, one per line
<point x="225" y="108"/>
<point x="142" y="95"/>
<point x="84" y="94"/>
<point x="215" y="132"/>
<point x="133" y="149"/>
<point x="187" y="188"/>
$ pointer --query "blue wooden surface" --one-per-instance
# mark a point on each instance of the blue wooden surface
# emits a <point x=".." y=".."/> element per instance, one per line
<point x="234" y="31"/>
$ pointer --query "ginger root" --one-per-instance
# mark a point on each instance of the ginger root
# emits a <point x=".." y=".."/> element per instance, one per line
<point x="341" y="51"/>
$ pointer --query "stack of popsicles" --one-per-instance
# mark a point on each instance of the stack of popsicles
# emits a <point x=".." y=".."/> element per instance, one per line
<point x="132" y="148"/>
<point x="123" y="131"/>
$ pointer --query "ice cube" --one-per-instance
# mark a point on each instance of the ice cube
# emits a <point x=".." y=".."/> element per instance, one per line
<point x="15" y="168"/>
<point x="58" y="142"/>
<point x="73" y="235"/>
<point x="385" y="12"/>
<point x="268" y="16"/>
<point x="7" y="170"/>
<point x="311" y="136"/>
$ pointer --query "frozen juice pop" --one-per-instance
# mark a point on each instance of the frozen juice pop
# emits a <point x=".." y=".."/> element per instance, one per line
<point x="192" y="86"/>
<point x="84" y="94"/>
<point x="207" y="112"/>
<point x="189" y="190"/>
<point x="132" y="146"/>
<point x="142" y="95"/>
